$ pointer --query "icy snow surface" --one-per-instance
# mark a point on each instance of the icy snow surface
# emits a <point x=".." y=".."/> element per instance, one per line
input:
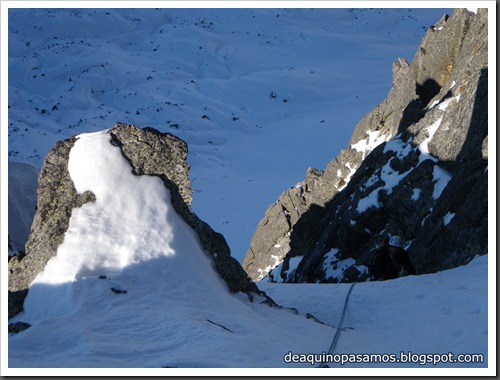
<point x="416" y="194"/>
<point x="424" y="145"/>
<point x="387" y="174"/>
<point x="442" y="312"/>
<point x="392" y="178"/>
<point x="371" y="142"/>
<point x="334" y="267"/>
<point x="448" y="218"/>
<point x="441" y="179"/>
<point x="274" y="274"/>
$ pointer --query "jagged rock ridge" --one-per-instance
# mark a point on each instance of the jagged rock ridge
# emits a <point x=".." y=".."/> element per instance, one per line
<point x="416" y="166"/>
<point x="149" y="152"/>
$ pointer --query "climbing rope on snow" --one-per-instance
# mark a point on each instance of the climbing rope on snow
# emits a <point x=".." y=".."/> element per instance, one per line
<point x="339" y="327"/>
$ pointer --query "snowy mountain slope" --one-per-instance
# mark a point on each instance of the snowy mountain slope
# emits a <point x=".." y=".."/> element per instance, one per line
<point x="131" y="286"/>
<point x="165" y="318"/>
<point x="259" y="95"/>
<point x="435" y="313"/>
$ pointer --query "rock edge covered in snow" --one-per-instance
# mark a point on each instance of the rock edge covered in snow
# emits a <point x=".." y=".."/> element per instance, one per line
<point x="149" y="152"/>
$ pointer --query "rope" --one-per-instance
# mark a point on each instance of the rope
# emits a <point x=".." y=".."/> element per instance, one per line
<point x="339" y="328"/>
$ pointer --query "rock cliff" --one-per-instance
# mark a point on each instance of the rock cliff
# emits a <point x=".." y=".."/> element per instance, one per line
<point x="149" y="152"/>
<point x="416" y="166"/>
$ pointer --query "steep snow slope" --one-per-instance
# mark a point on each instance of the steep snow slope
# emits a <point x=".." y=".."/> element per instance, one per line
<point x="259" y="95"/>
<point x="173" y="311"/>
<point x="131" y="287"/>
<point x="441" y="313"/>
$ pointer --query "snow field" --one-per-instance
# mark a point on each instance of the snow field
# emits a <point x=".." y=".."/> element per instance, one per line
<point x="435" y="313"/>
<point x="259" y="95"/>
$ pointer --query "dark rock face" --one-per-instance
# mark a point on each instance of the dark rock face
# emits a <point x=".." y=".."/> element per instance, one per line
<point x="416" y="166"/>
<point x="149" y="152"/>
<point x="288" y="213"/>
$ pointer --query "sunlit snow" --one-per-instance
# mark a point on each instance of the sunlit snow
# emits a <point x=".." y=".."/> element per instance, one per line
<point x="373" y="140"/>
<point x="424" y="145"/>
<point x="132" y="287"/>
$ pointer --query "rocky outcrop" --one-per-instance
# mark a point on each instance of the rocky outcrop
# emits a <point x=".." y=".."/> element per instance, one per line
<point x="416" y="166"/>
<point x="149" y="152"/>
<point x="271" y="241"/>
<point x="56" y="198"/>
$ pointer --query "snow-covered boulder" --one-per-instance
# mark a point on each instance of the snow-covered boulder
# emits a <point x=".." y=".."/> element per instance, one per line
<point x="148" y="153"/>
<point x="132" y="283"/>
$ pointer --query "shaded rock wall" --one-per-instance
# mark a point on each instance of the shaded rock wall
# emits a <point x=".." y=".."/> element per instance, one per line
<point x="416" y="166"/>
